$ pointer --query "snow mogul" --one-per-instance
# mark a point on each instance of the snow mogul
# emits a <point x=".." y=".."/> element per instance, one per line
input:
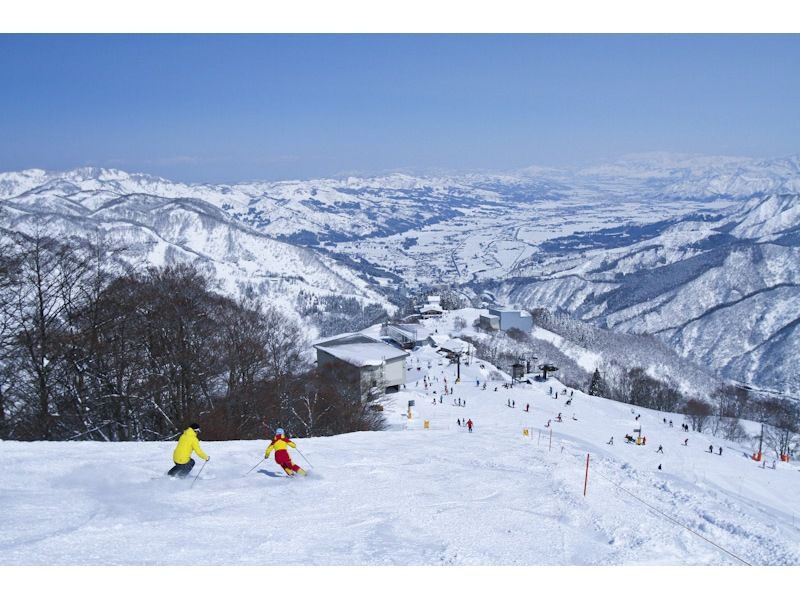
<point x="279" y="444"/>
<point x="182" y="456"/>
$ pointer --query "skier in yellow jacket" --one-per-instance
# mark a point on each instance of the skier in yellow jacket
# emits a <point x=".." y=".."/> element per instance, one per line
<point x="282" y="458"/>
<point x="183" y="452"/>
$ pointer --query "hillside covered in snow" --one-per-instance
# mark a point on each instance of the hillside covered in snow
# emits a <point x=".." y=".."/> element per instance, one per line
<point x="425" y="491"/>
<point x="701" y="251"/>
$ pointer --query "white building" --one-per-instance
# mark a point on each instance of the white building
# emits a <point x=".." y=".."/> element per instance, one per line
<point x="370" y="366"/>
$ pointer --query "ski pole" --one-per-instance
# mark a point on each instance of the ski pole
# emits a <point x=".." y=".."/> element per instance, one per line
<point x="256" y="465"/>
<point x="198" y="473"/>
<point x="304" y="457"/>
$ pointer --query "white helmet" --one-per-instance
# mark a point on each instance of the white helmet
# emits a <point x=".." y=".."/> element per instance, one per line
<point x="279" y="432"/>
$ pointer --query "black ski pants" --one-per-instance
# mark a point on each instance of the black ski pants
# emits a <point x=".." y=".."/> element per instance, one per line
<point x="182" y="469"/>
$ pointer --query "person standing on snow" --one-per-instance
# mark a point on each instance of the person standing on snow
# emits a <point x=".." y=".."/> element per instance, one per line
<point x="469" y="425"/>
<point x="182" y="456"/>
<point x="279" y="444"/>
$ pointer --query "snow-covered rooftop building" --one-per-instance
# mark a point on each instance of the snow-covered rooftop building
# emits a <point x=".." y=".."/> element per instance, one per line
<point x="501" y="318"/>
<point x="407" y="335"/>
<point x="369" y="365"/>
<point x="432" y="308"/>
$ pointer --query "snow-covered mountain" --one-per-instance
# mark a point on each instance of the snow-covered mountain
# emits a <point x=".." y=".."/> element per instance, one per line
<point x="154" y="223"/>
<point x="723" y="291"/>
<point x="702" y="251"/>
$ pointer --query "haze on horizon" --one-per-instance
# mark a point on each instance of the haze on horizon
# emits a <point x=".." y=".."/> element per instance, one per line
<point x="228" y="108"/>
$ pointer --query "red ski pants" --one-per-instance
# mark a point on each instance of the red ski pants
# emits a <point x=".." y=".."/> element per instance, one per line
<point x="283" y="459"/>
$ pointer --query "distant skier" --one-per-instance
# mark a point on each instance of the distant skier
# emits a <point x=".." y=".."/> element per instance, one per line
<point x="469" y="425"/>
<point x="611" y="440"/>
<point x="513" y="404"/>
<point x="686" y="442"/>
<point x="527" y="407"/>
<point x="720" y="451"/>
<point x="558" y="417"/>
<point x="710" y="448"/>
<point x="279" y="444"/>
<point x="458" y="421"/>
<point x="183" y="452"/>
<point x="660" y="449"/>
<point x="659" y="467"/>
<point x="670" y="423"/>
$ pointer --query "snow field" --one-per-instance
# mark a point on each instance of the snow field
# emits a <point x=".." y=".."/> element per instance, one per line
<point x="409" y="495"/>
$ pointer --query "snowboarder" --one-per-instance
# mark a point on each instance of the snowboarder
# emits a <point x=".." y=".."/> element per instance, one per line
<point x="469" y="425"/>
<point x="279" y="444"/>
<point x="720" y="451"/>
<point x="611" y="441"/>
<point x="660" y="449"/>
<point x="183" y="452"/>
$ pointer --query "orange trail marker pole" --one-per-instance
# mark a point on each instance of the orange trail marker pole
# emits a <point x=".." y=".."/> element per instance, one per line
<point x="586" y="479"/>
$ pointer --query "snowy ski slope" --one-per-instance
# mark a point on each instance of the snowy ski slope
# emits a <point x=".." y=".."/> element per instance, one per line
<point x="414" y="496"/>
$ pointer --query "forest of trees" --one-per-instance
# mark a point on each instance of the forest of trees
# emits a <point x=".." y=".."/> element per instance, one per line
<point x="88" y="351"/>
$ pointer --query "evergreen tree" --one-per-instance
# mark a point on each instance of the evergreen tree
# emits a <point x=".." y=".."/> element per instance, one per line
<point x="597" y="386"/>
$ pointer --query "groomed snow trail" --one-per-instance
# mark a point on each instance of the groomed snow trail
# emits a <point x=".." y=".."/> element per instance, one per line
<point x="412" y="496"/>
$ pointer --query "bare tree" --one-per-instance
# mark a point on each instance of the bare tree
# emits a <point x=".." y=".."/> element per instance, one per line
<point x="698" y="412"/>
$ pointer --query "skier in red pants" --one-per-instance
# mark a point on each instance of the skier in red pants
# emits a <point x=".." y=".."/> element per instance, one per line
<point x="469" y="425"/>
<point x="282" y="458"/>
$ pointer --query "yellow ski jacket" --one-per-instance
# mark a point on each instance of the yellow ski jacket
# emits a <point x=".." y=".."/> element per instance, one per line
<point x="186" y="444"/>
<point x="279" y="443"/>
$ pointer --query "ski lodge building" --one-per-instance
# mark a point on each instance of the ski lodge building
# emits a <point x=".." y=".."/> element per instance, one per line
<point x="500" y="318"/>
<point x="432" y="309"/>
<point x="407" y="336"/>
<point x="369" y="366"/>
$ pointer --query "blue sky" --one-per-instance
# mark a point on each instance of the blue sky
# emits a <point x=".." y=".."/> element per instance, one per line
<point x="225" y="108"/>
